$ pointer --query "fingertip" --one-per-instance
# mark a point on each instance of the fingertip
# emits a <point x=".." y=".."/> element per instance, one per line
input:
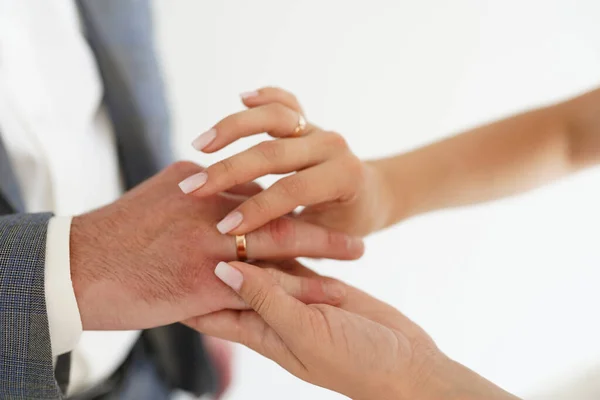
<point x="229" y="275"/>
<point x="344" y="246"/>
<point x="249" y="220"/>
<point x="355" y="247"/>
<point x="231" y="223"/>
<point x="249" y="94"/>
<point x="205" y="140"/>
<point x="251" y="99"/>
<point x="193" y="183"/>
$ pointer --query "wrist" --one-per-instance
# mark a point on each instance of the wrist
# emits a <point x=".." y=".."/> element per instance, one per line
<point x="381" y="196"/>
<point x="396" y="192"/>
<point x="84" y="259"/>
<point x="450" y="380"/>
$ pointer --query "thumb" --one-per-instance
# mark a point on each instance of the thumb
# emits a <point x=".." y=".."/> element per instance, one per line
<point x="264" y="295"/>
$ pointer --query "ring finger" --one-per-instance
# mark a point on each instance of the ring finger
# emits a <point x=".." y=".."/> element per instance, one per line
<point x="268" y="95"/>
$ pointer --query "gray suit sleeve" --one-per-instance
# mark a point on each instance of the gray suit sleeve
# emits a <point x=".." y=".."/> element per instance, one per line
<point x="26" y="370"/>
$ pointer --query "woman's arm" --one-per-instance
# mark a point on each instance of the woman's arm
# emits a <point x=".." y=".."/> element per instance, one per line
<point x="364" y="348"/>
<point x="496" y="160"/>
<point x="343" y="193"/>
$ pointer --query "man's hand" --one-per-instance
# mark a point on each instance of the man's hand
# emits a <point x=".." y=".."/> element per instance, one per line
<point x="147" y="259"/>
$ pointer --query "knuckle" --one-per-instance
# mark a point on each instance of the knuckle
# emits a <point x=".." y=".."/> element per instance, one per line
<point x="260" y="300"/>
<point x="276" y="109"/>
<point x="354" y="173"/>
<point x="227" y="166"/>
<point x="336" y="140"/>
<point x="353" y="165"/>
<point x="272" y="271"/>
<point x="278" y="276"/>
<point x="257" y="299"/>
<point x="293" y="187"/>
<point x="284" y="119"/>
<point x="282" y="232"/>
<point x="225" y="173"/>
<point x="271" y="151"/>
<point x="336" y="240"/>
<point x="285" y="96"/>
<point x="292" y="97"/>
<point x="259" y="204"/>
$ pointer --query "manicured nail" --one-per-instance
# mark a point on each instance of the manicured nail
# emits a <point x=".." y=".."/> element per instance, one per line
<point x="247" y="95"/>
<point x="194" y="182"/>
<point x="205" y="139"/>
<point x="229" y="275"/>
<point x="230" y="222"/>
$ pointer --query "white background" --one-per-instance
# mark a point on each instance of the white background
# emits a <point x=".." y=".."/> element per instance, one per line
<point x="510" y="288"/>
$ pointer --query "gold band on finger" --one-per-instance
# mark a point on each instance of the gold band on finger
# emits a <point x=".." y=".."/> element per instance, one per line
<point x="240" y="247"/>
<point x="301" y="127"/>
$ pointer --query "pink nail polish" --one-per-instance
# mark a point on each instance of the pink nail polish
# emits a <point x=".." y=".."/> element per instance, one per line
<point x="247" y="95"/>
<point x="205" y="139"/>
<point x="230" y="222"/>
<point x="229" y="275"/>
<point x="194" y="182"/>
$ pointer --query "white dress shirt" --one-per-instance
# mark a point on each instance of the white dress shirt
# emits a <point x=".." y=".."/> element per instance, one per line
<point x="62" y="150"/>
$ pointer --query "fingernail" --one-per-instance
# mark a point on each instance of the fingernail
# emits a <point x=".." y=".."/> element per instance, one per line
<point x="205" y="139"/>
<point x="230" y="222"/>
<point x="247" y="95"/>
<point x="335" y="291"/>
<point x="194" y="182"/>
<point x="229" y="275"/>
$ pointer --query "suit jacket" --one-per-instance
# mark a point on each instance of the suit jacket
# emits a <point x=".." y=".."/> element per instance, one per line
<point x="121" y="35"/>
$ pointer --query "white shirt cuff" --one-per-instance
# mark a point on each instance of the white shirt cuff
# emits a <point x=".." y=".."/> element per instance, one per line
<point x="63" y="313"/>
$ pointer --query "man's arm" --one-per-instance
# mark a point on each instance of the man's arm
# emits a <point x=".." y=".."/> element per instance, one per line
<point x="496" y="160"/>
<point x="26" y="370"/>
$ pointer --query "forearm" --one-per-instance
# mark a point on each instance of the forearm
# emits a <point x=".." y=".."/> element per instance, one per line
<point x="493" y="161"/>
<point x="453" y="381"/>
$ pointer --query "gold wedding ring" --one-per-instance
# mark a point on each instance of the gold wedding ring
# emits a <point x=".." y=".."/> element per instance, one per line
<point x="299" y="131"/>
<point x="240" y="247"/>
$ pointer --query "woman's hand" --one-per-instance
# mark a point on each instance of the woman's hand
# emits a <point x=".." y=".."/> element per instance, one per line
<point x="338" y="190"/>
<point x="303" y="285"/>
<point x="363" y="348"/>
